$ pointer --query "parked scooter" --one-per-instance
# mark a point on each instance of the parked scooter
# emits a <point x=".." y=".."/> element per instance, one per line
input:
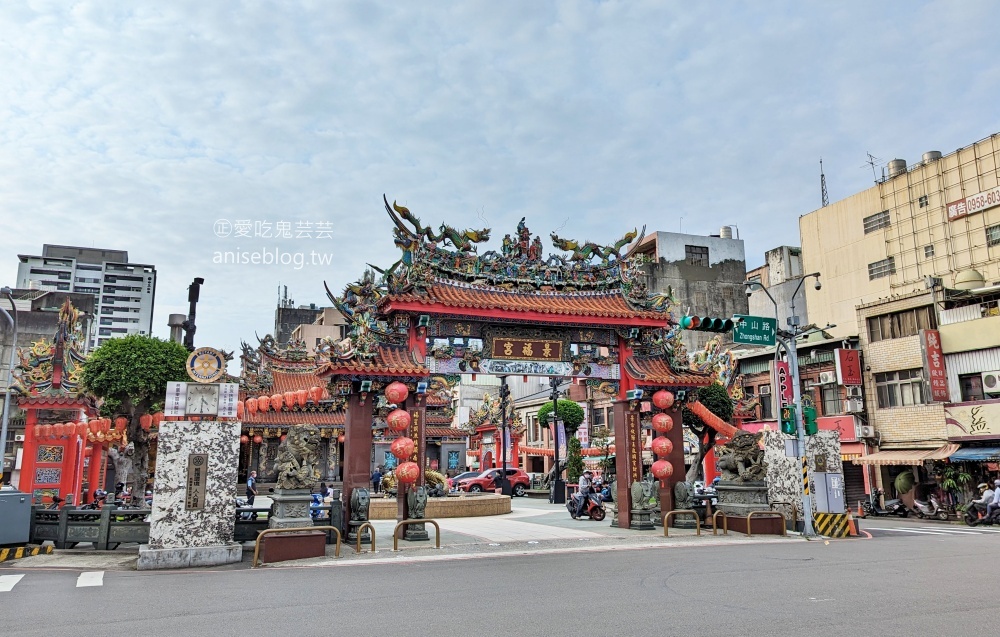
<point x="892" y="507"/>
<point x="594" y="507"/>
<point x="930" y="509"/>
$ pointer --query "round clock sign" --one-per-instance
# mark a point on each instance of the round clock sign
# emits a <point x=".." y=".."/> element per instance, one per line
<point x="206" y="365"/>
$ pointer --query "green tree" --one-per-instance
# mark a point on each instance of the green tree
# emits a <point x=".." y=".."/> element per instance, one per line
<point x="131" y="374"/>
<point x="717" y="400"/>
<point x="574" y="461"/>
<point x="570" y="413"/>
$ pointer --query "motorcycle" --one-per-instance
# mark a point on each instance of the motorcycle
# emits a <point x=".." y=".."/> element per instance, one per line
<point x="930" y="509"/>
<point x="593" y="508"/>
<point x="975" y="515"/>
<point x="892" y="507"/>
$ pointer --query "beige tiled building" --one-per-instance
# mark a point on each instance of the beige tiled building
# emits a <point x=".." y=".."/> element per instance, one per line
<point x="935" y="218"/>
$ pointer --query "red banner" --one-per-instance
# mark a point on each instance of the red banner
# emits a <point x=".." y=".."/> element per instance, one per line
<point x="848" y="366"/>
<point x="843" y="424"/>
<point x="934" y="370"/>
<point x="783" y="382"/>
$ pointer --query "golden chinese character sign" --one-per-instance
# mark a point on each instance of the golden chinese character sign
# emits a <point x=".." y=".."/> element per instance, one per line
<point x="634" y="445"/>
<point x="533" y="349"/>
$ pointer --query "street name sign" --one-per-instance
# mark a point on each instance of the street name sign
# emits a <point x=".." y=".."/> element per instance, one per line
<point x="754" y="330"/>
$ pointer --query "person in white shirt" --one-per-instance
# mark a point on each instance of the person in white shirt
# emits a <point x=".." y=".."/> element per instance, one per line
<point x="995" y="505"/>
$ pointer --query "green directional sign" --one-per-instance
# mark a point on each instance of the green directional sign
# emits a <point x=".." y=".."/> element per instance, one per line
<point x="754" y="330"/>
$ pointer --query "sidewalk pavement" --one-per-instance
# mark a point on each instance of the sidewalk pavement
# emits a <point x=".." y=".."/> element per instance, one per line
<point x="532" y="526"/>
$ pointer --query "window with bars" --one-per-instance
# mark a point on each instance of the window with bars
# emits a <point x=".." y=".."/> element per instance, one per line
<point x="696" y="255"/>
<point x="900" y="324"/>
<point x="899" y="389"/>
<point x="882" y="268"/>
<point x="876" y="221"/>
<point x="923" y="201"/>
<point x="993" y="236"/>
<point x="766" y="409"/>
<point x="928" y="251"/>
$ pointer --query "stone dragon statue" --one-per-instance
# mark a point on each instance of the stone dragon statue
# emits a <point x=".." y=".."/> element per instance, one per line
<point x="297" y="458"/>
<point x="742" y="460"/>
<point x="360" y="500"/>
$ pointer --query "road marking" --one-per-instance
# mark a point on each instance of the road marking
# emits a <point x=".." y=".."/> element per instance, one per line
<point x="7" y="582"/>
<point x="90" y="578"/>
<point x="872" y="528"/>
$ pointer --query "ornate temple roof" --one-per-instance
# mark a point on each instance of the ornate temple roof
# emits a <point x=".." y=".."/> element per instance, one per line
<point x="48" y="373"/>
<point x="602" y="305"/>
<point x="655" y="370"/>
<point x="388" y="360"/>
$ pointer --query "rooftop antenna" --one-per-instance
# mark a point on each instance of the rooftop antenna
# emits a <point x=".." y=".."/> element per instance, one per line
<point x="822" y="184"/>
<point x="872" y="160"/>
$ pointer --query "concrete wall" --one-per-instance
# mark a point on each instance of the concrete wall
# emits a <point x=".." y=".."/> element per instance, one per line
<point x="835" y="244"/>
<point x="717" y="290"/>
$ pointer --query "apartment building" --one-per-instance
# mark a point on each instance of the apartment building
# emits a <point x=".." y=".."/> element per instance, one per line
<point x="930" y="220"/>
<point x="124" y="292"/>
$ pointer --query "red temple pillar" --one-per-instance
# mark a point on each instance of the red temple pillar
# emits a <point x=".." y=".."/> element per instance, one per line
<point x="29" y="452"/>
<point x="417" y="407"/>
<point x="628" y="458"/>
<point x="94" y="468"/>
<point x="357" y="447"/>
<point x="675" y="458"/>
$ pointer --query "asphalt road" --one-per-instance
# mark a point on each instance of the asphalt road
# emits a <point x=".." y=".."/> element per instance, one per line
<point x="890" y="585"/>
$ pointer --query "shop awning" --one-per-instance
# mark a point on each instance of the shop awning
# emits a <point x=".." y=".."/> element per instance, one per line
<point x="982" y="454"/>
<point x="907" y="456"/>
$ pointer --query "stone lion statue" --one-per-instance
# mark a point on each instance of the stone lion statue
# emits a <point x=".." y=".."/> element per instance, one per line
<point x="360" y="498"/>
<point x="298" y="456"/>
<point x="645" y="496"/>
<point x="682" y="496"/>
<point x="416" y="500"/>
<point x="742" y="459"/>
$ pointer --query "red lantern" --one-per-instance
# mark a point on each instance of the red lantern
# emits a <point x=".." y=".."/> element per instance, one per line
<point x="251" y="406"/>
<point x="402" y="448"/>
<point x="408" y="472"/>
<point x="263" y="403"/>
<point x="277" y="400"/>
<point x="81" y="429"/>
<point x="38" y="432"/>
<point x="57" y="430"/>
<point x="94" y="426"/>
<point x="340" y="438"/>
<point x="315" y="393"/>
<point x="289" y="399"/>
<point x="120" y="423"/>
<point x="398" y="419"/>
<point x="663" y="399"/>
<point x="244" y="439"/>
<point x="145" y="421"/>
<point x="396" y="393"/>
<point x="301" y="397"/>
<point x="662" y="469"/>
<point x="258" y="439"/>
<point x="662" y="423"/>
<point x="157" y="418"/>
<point x="662" y="446"/>
<point x="239" y="409"/>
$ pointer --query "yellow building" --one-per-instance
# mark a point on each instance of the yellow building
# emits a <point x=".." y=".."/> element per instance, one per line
<point x="931" y="220"/>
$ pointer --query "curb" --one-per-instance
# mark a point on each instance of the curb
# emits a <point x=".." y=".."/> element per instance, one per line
<point x="19" y="552"/>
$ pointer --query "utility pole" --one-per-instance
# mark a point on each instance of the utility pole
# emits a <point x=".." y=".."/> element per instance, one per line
<point x="504" y="401"/>
<point x="188" y="325"/>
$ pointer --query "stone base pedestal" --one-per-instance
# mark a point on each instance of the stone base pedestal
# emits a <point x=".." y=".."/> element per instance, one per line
<point x="291" y="509"/>
<point x="189" y="556"/>
<point x="416" y="533"/>
<point x="642" y="520"/>
<point x="352" y="532"/>
<point x="740" y="498"/>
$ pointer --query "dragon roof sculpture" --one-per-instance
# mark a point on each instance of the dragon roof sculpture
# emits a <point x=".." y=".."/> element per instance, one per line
<point x="489" y="414"/>
<point x="53" y="368"/>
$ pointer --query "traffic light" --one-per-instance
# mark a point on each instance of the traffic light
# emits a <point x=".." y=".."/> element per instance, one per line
<point x="706" y="324"/>
<point x="788" y="420"/>
<point x="809" y="420"/>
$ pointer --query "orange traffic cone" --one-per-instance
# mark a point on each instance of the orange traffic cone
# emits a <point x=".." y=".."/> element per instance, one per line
<point x="861" y="512"/>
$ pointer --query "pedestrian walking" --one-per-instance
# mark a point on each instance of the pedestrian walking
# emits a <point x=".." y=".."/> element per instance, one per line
<point x="251" y="487"/>
<point x="376" y="481"/>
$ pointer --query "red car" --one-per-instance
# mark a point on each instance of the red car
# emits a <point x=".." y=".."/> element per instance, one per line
<point x="487" y="481"/>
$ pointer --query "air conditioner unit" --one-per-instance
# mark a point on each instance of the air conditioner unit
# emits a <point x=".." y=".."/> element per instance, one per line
<point x="853" y="405"/>
<point x="991" y="382"/>
<point x="764" y="390"/>
<point x="827" y="378"/>
<point x="866" y="431"/>
<point x="19" y="438"/>
<point x="854" y="391"/>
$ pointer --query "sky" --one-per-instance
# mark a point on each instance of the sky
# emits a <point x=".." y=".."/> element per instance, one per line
<point x="182" y="131"/>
